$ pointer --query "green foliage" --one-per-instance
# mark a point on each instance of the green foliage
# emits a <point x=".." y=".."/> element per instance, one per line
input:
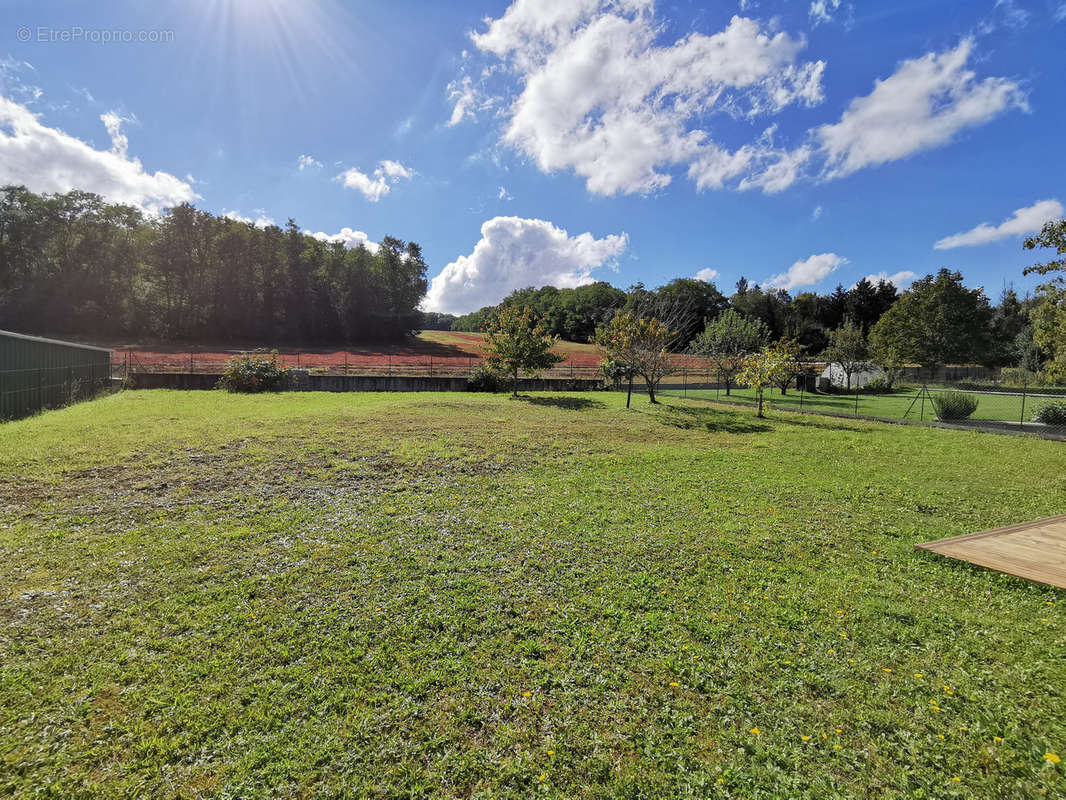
<point x="249" y="373"/>
<point x="728" y="340"/>
<point x="878" y="386"/>
<point x="1051" y="414"/>
<point x="1017" y="377"/>
<point x="517" y="341"/>
<point x="73" y="264"/>
<point x="639" y="346"/>
<point x="937" y="321"/>
<point x="483" y="379"/>
<point x="953" y="405"/>
<point x="767" y="368"/>
<point x="848" y="348"/>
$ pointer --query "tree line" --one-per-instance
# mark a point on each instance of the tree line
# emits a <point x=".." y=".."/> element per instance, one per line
<point x="75" y="265"/>
<point x="963" y="324"/>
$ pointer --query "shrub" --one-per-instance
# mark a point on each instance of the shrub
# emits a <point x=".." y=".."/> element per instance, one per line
<point x="953" y="405"/>
<point x="878" y="386"/>
<point x="1052" y="414"/>
<point x="483" y="379"/>
<point x="252" y="373"/>
<point x="1018" y="377"/>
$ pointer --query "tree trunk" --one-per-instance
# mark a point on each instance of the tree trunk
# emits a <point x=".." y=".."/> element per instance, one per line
<point x="759" y="392"/>
<point x="629" y="392"/>
<point x="651" y="391"/>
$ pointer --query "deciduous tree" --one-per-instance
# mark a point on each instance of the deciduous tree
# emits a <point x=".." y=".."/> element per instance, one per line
<point x="728" y="340"/>
<point x="640" y="345"/>
<point x="517" y="341"/>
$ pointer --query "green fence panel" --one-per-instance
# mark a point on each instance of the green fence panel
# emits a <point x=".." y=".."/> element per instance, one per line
<point x="36" y="373"/>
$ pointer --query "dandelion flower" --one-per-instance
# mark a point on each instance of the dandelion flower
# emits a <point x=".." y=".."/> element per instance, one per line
<point x="997" y="739"/>
<point x="551" y="752"/>
<point x="674" y="683"/>
<point x="1054" y="759"/>
<point x="840" y="730"/>
<point x="805" y="738"/>
<point x="755" y="731"/>
<point x="543" y="777"/>
<point x="885" y="669"/>
<point x="918" y="675"/>
<point x="527" y="694"/>
<point x="836" y="747"/>
<point x="957" y="779"/>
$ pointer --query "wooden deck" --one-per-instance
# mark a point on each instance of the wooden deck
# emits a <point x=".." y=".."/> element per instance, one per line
<point x="1032" y="550"/>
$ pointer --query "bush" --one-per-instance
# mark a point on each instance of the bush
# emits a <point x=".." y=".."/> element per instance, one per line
<point x="953" y="405"/>
<point x="252" y="373"/>
<point x="1018" y="377"/>
<point x="1052" y="414"/>
<point x="483" y="379"/>
<point x="878" y="386"/>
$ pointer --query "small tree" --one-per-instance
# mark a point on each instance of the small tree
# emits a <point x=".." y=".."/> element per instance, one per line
<point x="789" y="350"/>
<point x="639" y="345"/>
<point x="765" y="368"/>
<point x="728" y="340"/>
<point x="517" y="341"/>
<point x="847" y="347"/>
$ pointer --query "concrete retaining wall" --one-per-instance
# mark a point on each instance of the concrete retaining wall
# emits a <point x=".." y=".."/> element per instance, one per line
<point x="360" y="383"/>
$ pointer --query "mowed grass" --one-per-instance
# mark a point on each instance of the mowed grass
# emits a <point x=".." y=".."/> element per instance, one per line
<point x="372" y="595"/>
<point x="897" y="405"/>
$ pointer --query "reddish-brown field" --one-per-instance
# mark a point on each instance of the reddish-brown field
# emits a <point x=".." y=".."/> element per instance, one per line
<point x="430" y="352"/>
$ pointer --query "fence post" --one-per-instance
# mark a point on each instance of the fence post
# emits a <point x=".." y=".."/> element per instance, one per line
<point x="923" y="393"/>
<point x="856" y="400"/>
<point x="40" y="397"/>
<point x="1025" y="386"/>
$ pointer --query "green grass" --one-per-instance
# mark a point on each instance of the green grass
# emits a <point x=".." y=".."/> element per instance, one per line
<point x="315" y="595"/>
<point x="897" y="405"/>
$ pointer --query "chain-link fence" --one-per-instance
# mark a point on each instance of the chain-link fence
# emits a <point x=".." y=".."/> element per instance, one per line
<point x="981" y="404"/>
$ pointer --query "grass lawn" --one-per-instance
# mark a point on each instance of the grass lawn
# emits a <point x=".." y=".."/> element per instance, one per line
<point x="1001" y="407"/>
<point x="369" y="595"/>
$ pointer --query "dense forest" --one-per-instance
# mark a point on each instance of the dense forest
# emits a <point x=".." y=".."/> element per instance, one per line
<point x="74" y="265"/>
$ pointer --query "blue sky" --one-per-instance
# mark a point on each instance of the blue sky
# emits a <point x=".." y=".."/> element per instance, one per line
<point x="562" y="142"/>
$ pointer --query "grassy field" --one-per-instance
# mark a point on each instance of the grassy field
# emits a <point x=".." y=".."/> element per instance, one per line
<point x="316" y="595"/>
<point x="991" y="406"/>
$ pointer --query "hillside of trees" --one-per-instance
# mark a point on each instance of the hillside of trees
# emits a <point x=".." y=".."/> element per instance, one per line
<point x="74" y="265"/>
<point x="995" y="335"/>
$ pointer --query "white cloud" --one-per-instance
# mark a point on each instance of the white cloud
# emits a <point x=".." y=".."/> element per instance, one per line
<point x="504" y="194"/>
<point x="513" y="253"/>
<point x="806" y="273"/>
<point x="1024" y="220"/>
<point x="467" y="100"/>
<point x="707" y="274"/>
<point x="260" y="221"/>
<point x="307" y="162"/>
<point x="922" y="105"/>
<point x="1060" y="12"/>
<point x="376" y="186"/>
<point x="348" y="237"/>
<point x="1010" y="14"/>
<point x="901" y="279"/>
<point x="817" y="213"/>
<point x="597" y="94"/>
<point x="46" y="159"/>
<point x="823" y="10"/>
